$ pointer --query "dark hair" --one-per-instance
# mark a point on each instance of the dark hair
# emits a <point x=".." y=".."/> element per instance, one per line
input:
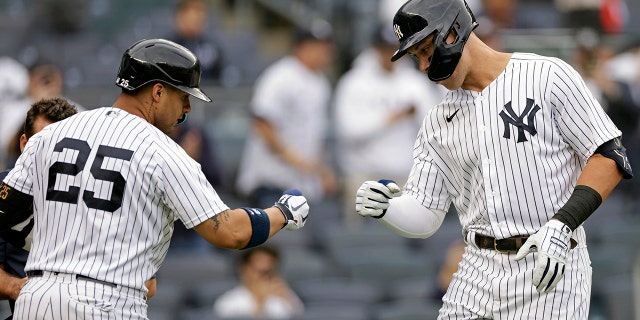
<point x="183" y="4"/>
<point x="247" y="254"/>
<point x="54" y="110"/>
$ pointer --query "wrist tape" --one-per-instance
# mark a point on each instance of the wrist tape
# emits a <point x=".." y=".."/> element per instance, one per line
<point x="260" y="225"/>
<point x="582" y="203"/>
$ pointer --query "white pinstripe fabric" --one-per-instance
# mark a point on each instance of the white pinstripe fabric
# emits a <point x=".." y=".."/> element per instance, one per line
<point x="491" y="285"/>
<point x="499" y="186"/>
<point x="64" y="297"/>
<point x="124" y="245"/>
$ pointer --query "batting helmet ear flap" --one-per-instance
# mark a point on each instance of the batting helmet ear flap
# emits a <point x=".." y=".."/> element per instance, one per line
<point x="446" y="55"/>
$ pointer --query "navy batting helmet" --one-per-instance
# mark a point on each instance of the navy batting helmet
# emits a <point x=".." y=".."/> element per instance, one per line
<point x="417" y="19"/>
<point x="160" y="60"/>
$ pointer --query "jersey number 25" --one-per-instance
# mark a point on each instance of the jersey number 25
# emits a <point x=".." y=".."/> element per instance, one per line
<point x="72" y="194"/>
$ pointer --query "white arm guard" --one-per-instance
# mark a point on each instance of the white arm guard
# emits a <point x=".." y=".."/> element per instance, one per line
<point x="408" y="218"/>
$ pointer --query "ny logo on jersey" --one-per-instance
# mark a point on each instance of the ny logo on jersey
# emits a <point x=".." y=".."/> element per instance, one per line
<point x="510" y="117"/>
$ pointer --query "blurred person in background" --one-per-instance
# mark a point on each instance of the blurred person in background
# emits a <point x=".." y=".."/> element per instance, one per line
<point x="290" y="110"/>
<point x="261" y="293"/>
<point x="502" y="13"/>
<point x="379" y="106"/>
<point x="190" y="20"/>
<point x="14" y="80"/>
<point x="45" y="81"/>
<point x="604" y="16"/>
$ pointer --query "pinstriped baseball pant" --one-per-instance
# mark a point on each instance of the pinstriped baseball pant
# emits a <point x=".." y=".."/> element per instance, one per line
<point x="491" y="285"/>
<point x="62" y="296"/>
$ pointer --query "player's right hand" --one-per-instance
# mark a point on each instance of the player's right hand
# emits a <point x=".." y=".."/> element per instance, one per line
<point x="373" y="197"/>
<point x="295" y="208"/>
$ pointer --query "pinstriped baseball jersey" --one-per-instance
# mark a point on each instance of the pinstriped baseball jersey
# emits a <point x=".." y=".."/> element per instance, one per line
<point x="508" y="157"/>
<point x="107" y="188"/>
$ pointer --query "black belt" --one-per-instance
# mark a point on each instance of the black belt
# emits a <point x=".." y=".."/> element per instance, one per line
<point x="40" y="273"/>
<point x="508" y="245"/>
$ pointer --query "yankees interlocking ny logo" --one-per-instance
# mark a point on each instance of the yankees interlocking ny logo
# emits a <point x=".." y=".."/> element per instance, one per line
<point x="396" y="30"/>
<point x="510" y="117"/>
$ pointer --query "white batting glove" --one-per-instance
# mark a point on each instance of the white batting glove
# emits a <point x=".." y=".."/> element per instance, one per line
<point x="295" y="208"/>
<point x="552" y="242"/>
<point x="373" y="197"/>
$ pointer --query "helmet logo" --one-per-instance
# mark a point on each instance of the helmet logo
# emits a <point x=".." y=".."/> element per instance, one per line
<point x="397" y="31"/>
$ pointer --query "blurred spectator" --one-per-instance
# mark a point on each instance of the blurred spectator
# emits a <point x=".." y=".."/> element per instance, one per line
<point x="190" y="21"/>
<point x="290" y="109"/>
<point x="59" y="17"/>
<point x="14" y="78"/>
<point x="379" y="106"/>
<point x="602" y="15"/>
<point x="502" y="13"/>
<point x="45" y="81"/>
<point x="262" y="293"/>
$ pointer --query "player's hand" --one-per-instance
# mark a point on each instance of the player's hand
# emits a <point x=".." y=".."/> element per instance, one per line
<point x="295" y="208"/>
<point x="373" y="197"/>
<point x="552" y="242"/>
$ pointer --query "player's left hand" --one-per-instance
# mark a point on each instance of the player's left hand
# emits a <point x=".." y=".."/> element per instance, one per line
<point x="552" y="242"/>
<point x="295" y="208"/>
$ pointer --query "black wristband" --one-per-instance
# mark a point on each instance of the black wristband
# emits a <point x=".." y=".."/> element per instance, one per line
<point x="260" y="225"/>
<point x="583" y="202"/>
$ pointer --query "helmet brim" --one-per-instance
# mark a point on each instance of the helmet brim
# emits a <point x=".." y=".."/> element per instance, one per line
<point x="196" y="92"/>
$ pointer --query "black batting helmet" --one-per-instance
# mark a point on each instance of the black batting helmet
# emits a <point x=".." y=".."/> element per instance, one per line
<point x="160" y="60"/>
<point x="417" y="19"/>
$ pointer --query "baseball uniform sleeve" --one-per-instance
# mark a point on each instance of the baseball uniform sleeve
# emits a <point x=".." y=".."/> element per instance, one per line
<point x="186" y="189"/>
<point x="426" y="182"/>
<point x="582" y="122"/>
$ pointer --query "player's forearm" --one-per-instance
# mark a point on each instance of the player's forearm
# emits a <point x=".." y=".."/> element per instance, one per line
<point x="594" y="185"/>
<point x="601" y="174"/>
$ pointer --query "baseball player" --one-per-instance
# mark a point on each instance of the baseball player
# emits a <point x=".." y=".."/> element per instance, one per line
<point x="525" y="154"/>
<point x="106" y="187"/>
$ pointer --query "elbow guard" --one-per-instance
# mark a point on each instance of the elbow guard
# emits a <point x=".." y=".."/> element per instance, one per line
<point x="409" y="218"/>
<point x="614" y="150"/>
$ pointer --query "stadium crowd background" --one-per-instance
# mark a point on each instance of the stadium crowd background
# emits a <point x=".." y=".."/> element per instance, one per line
<point x="347" y="273"/>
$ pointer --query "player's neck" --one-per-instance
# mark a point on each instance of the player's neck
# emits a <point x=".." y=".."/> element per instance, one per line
<point x="132" y="105"/>
<point x="482" y="74"/>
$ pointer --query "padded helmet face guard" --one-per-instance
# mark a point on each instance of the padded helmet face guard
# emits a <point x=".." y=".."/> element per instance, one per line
<point x="160" y="60"/>
<point x="418" y="19"/>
